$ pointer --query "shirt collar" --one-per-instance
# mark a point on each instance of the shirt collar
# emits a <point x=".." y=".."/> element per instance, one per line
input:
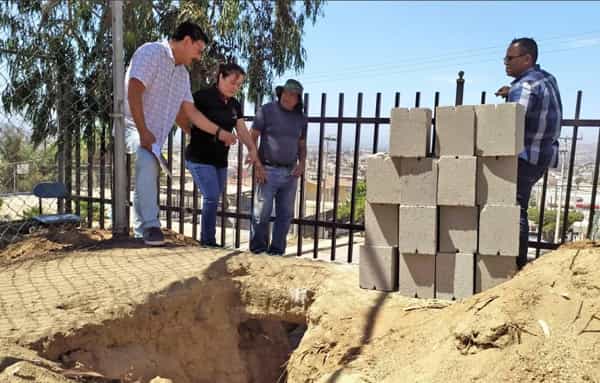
<point x="169" y="51"/>
<point x="534" y="68"/>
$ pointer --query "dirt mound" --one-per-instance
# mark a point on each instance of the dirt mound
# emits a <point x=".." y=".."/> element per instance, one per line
<point x="204" y="316"/>
<point x="47" y="244"/>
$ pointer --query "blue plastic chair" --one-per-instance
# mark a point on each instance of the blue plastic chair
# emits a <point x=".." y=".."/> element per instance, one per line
<point x="53" y="190"/>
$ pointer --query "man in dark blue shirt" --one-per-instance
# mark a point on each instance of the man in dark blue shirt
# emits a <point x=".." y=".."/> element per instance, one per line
<point x="538" y="92"/>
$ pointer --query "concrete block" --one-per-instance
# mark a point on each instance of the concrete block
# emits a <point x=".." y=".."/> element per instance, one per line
<point x="499" y="129"/>
<point x="497" y="180"/>
<point x="499" y="230"/>
<point x="381" y="224"/>
<point x="418" y="229"/>
<point x="417" y="275"/>
<point x="492" y="270"/>
<point x="454" y="275"/>
<point x="457" y="179"/>
<point x="458" y="229"/>
<point x="418" y="181"/>
<point x="383" y="179"/>
<point x="378" y="268"/>
<point x="410" y="132"/>
<point x="455" y="131"/>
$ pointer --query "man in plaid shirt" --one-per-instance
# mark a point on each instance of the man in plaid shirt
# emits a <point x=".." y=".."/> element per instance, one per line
<point x="537" y="91"/>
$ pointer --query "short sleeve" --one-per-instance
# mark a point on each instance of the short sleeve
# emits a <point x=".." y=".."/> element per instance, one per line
<point x="259" y="119"/>
<point x="187" y="94"/>
<point x="144" y="64"/>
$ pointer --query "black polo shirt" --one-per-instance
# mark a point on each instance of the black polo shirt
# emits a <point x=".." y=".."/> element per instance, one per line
<point x="203" y="148"/>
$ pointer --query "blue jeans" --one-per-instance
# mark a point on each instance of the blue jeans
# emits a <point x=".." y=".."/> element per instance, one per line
<point x="280" y="186"/>
<point x="145" y="196"/>
<point x="211" y="182"/>
<point x="527" y="176"/>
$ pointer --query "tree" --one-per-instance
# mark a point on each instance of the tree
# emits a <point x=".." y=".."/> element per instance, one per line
<point x="550" y="221"/>
<point x="60" y="71"/>
<point x="343" y="213"/>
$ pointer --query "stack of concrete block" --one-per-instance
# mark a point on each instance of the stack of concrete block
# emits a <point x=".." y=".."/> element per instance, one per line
<point x="379" y="254"/>
<point x="455" y="146"/>
<point x="446" y="226"/>
<point x="500" y="130"/>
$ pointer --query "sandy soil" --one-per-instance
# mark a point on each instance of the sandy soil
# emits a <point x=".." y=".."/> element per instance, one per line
<point x="84" y="307"/>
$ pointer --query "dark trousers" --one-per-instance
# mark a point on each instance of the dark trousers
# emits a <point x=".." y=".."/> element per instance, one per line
<point x="527" y="176"/>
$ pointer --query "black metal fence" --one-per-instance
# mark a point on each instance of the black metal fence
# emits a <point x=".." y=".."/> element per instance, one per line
<point x="89" y="179"/>
<point x="97" y="191"/>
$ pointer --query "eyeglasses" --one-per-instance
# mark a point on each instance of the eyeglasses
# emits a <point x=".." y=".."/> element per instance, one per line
<point x="508" y="59"/>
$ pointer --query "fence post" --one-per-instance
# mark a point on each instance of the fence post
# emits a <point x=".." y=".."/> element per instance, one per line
<point x="460" y="88"/>
<point x="121" y="194"/>
<point x="61" y="138"/>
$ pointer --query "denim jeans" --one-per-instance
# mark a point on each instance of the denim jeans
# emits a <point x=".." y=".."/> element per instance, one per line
<point x="280" y="186"/>
<point x="527" y="176"/>
<point x="211" y="182"/>
<point x="145" y="203"/>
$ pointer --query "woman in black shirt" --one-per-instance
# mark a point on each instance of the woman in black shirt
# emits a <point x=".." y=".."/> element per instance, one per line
<point x="206" y="156"/>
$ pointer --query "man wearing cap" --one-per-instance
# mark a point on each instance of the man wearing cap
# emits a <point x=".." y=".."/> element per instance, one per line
<point x="281" y="126"/>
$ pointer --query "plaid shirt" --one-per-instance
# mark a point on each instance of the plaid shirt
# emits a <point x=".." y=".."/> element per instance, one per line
<point x="537" y="90"/>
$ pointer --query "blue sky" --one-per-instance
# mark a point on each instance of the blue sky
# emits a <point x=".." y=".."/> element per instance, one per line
<point x="389" y="46"/>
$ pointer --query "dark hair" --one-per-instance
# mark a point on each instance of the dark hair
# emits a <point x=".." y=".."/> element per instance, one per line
<point x="528" y="46"/>
<point x="193" y="30"/>
<point x="229" y="69"/>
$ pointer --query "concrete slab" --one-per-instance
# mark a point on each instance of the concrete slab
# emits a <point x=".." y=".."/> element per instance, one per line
<point x="458" y="229"/>
<point x="417" y="230"/>
<point x="410" y="132"/>
<point x="457" y="178"/>
<point x="378" y="268"/>
<point x="497" y="180"/>
<point x="499" y="230"/>
<point x="455" y="131"/>
<point x="454" y="275"/>
<point x="417" y="275"/>
<point x="499" y="129"/>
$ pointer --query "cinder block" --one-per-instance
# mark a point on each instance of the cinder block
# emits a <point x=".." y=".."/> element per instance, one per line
<point x="418" y="181"/>
<point x="417" y="275"/>
<point x="410" y="132"/>
<point x="383" y="179"/>
<point x="378" y="268"/>
<point x="381" y="224"/>
<point x="418" y="229"/>
<point x="499" y="230"/>
<point x="457" y="179"/>
<point x="455" y="131"/>
<point x="458" y="229"/>
<point x="497" y="180"/>
<point x="492" y="270"/>
<point x="499" y="129"/>
<point x="454" y="275"/>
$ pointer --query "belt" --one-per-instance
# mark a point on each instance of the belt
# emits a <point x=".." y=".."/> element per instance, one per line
<point x="278" y="165"/>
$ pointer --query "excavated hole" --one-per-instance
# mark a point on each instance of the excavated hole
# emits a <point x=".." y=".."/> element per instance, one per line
<point x="196" y="332"/>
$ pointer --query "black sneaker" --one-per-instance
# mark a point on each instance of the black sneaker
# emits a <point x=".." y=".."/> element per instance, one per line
<point x="153" y="236"/>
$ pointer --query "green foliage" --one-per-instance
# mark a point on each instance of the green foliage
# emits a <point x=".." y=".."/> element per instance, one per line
<point x="61" y="71"/>
<point x="343" y="213"/>
<point x="15" y="147"/>
<point x="30" y="212"/>
<point x="550" y="220"/>
<point x="84" y="211"/>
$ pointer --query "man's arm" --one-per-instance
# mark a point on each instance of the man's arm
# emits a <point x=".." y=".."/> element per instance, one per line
<point x="299" y="169"/>
<point x="203" y="123"/>
<point x="135" y="93"/>
<point x="183" y="122"/>
<point x="259" y="169"/>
